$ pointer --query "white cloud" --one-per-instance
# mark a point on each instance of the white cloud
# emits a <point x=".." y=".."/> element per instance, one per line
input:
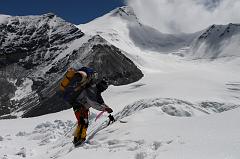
<point x="173" y="16"/>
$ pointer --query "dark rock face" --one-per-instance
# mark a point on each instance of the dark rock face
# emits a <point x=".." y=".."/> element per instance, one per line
<point x="7" y="90"/>
<point x="111" y="63"/>
<point x="108" y="61"/>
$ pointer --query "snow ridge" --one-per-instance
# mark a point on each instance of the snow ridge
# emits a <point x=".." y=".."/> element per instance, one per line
<point x="176" y="107"/>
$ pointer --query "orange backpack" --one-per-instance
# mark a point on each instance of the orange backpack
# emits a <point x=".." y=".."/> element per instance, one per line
<point x="72" y="82"/>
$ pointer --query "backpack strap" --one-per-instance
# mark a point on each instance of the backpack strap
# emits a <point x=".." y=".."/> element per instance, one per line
<point x="84" y="80"/>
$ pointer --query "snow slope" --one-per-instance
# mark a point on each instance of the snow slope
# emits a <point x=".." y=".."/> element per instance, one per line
<point x="151" y="134"/>
<point x="145" y="129"/>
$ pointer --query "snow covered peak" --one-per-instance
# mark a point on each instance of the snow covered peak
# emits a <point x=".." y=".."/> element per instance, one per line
<point x="215" y="32"/>
<point x="122" y="28"/>
<point x="50" y="20"/>
<point x="115" y="19"/>
<point x="125" y="12"/>
<point x="218" y="41"/>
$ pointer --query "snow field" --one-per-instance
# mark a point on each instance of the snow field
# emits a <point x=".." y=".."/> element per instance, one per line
<point x="150" y="128"/>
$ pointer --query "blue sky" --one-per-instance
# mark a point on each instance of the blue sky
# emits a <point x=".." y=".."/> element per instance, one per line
<point x="75" y="11"/>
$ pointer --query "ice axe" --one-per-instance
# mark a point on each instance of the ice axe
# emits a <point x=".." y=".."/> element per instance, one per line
<point x="110" y="116"/>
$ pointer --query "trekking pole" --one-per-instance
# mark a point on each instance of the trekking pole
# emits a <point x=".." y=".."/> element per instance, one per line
<point x="99" y="115"/>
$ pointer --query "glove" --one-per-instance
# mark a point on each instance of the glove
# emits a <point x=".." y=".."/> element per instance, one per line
<point x="109" y="110"/>
<point x="111" y="118"/>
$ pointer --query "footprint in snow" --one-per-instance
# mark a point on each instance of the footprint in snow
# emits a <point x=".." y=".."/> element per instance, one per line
<point x="140" y="155"/>
<point x="156" y="145"/>
<point x="22" y="152"/>
<point x="21" y="133"/>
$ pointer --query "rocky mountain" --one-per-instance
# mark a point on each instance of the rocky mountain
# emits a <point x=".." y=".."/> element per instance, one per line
<point x="217" y="41"/>
<point x="35" y="52"/>
<point x="33" y="40"/>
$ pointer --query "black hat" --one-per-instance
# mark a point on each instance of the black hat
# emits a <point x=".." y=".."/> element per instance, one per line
<point x="102" y="85"/>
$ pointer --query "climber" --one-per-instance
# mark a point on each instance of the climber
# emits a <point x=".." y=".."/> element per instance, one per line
<point x="89" y="97"/>
<point x="81" y="89"/>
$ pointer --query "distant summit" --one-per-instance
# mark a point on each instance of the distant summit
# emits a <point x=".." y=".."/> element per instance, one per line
<point x="125" y="12"/>
<point x="217" y="41"/>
